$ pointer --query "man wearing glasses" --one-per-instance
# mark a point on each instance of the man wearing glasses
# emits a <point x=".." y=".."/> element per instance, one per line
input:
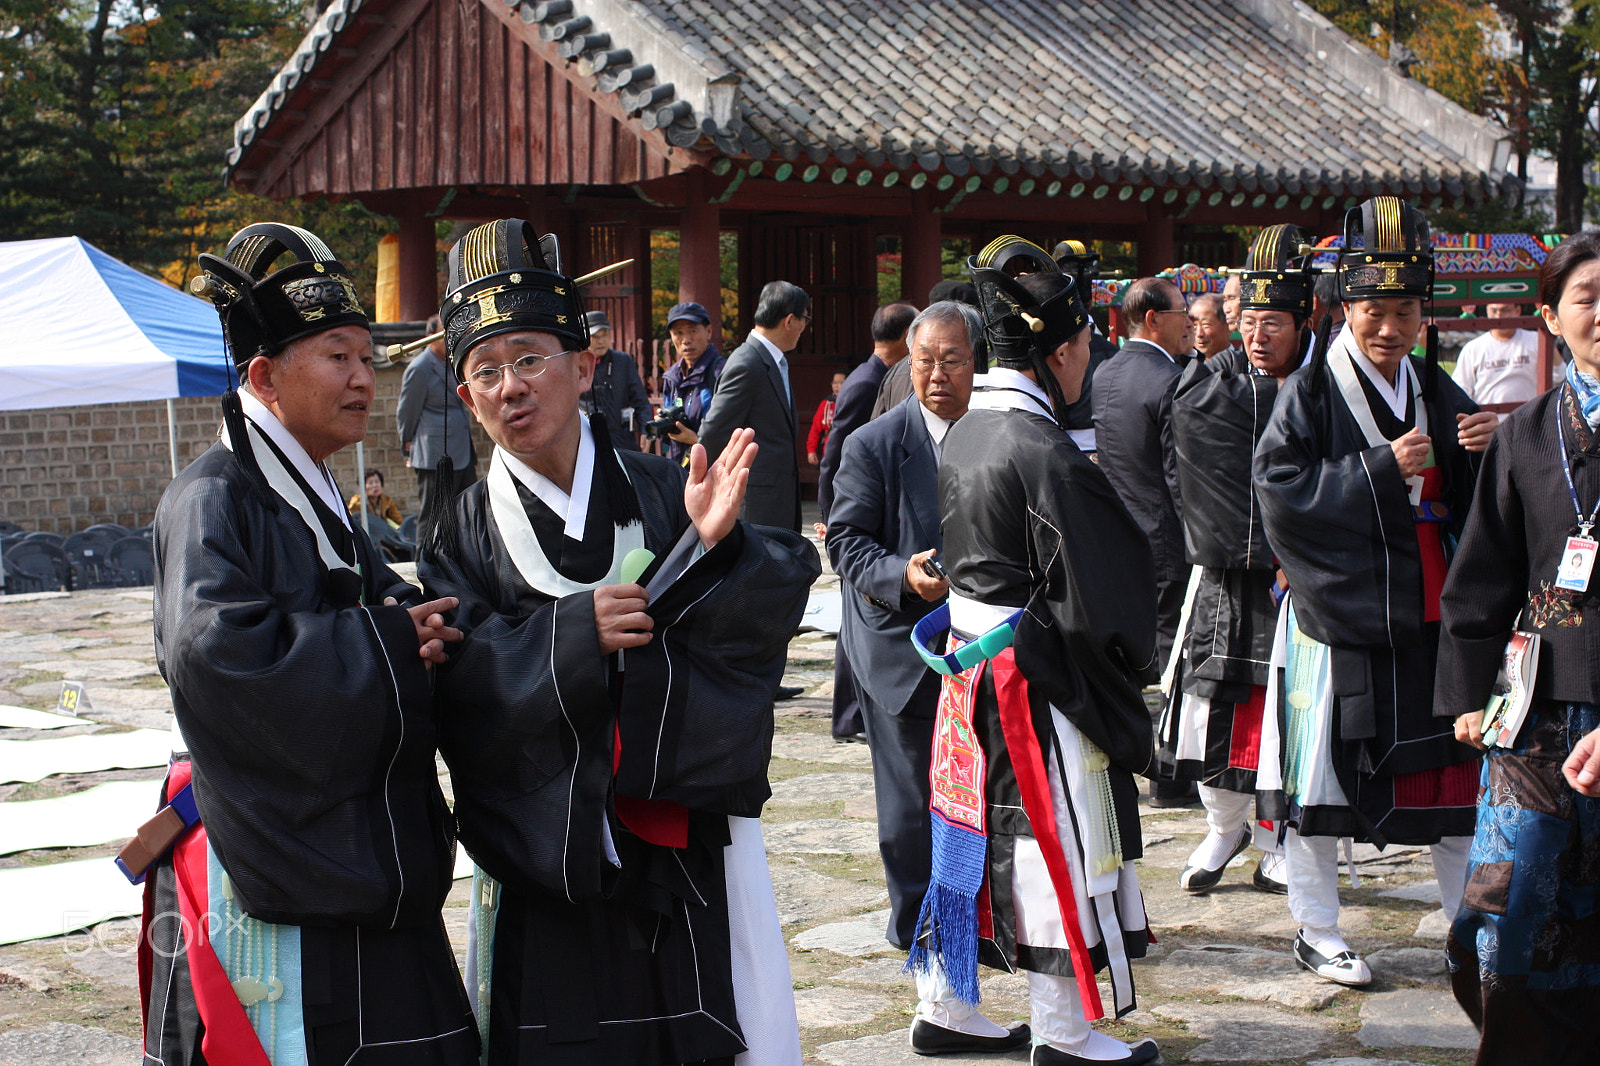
<point x="1132" y="410"/>
<point x="608" y="718"/>
<point x="754" y="392"/>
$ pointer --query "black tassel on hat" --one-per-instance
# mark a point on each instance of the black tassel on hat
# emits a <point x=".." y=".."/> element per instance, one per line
<point x="1319" y="351"/>
<point x="1430" y="369"/>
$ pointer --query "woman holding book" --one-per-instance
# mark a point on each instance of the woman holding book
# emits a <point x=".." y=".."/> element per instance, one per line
<point x="1525" y="947"/>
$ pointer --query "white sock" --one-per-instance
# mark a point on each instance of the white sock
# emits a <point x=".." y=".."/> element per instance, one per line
<point x="1098" y="1047"/>
<point x="1216" y="848"/>
<point x="937" y="1003"/>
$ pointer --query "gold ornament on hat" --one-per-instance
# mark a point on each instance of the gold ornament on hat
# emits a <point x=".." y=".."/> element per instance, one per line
<point x="396" y="351"/>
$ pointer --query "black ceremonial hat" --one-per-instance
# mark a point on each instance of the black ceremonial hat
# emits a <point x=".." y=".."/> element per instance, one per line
<point x="1017" y="323"/>
<point x="1387" y="251"/>
<point x="1079" y="264"/>
<point x="1276" y="272"/>
<point x="504" y="278"/>
<point x="263" y="310"/>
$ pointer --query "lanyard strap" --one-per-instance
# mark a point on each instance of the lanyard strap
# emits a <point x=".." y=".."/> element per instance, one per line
<point x="1584" y="524"/>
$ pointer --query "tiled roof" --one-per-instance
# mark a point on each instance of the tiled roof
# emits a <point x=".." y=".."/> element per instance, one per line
<point x="1247" y="95"/>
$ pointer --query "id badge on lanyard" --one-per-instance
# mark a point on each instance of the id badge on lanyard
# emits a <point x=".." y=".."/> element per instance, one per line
<point x="1577" y="558"/>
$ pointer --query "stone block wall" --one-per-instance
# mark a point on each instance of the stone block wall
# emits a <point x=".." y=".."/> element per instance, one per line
<point x="63" y="469"/>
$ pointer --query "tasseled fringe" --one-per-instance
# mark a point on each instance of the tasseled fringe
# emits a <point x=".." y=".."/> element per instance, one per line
<point x="948" y="921"/>
<point x="1106" y="847"/>
<point x="243" y="450"/>
<point x="620" y="495"/>
<point x="1319" y="350"/>
<point x="438" y="518"/>
<point x="1430" y="368"/>
<point x="951" y="922"/>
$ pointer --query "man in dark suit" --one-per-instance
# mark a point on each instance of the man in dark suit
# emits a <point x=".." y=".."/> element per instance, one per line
<point x="853" y="409"/>
<point x="754" y="392"/>
<point x="882" y="530"/>
<point x="1132" y="414"/>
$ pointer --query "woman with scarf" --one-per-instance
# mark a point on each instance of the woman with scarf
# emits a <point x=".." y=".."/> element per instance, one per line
<point x="1525" y="948"/>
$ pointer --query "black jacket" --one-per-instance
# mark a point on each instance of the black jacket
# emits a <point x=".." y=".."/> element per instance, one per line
<point x="1132" y="418"/>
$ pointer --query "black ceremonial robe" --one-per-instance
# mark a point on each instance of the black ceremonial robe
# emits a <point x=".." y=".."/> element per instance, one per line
<point x="1219" y="411"/>
<point x="1029" y="521"/>
<point x="1341" y="523"/>
<point x="309" y="721"/>
<point x="595" y="961"/>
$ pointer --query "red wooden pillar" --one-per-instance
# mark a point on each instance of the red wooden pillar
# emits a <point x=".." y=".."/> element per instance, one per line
<point x="919" y="249"/>
<point x="419" y="295"/>
<point x="1158" y="247"/>
<point x="700" y="251"/>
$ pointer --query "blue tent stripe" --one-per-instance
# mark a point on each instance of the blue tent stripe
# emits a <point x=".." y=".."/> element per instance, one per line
<point x="177" y="324"/>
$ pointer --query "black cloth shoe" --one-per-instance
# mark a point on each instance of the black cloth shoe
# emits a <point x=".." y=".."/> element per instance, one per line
<point x="1345" y="968"/>
<point x="1138" y="1054"/>
<point x="930" y="1039"/>
<point x="788" y="692"/>
<point x="1199" y="879"/>
<point x="1264" y="883"/>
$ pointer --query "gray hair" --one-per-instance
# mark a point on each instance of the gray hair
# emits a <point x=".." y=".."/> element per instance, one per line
<point x="949" y="311"/>
<point x="1212" y="300"/>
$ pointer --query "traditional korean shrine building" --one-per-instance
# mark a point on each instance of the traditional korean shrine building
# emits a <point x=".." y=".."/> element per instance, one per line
<point x="812" y="128"/>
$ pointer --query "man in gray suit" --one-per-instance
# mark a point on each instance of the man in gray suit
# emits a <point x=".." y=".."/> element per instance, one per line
<point x="883" y="530"/>
<point x="433" y="424"/>
<point x="754" y="392"/>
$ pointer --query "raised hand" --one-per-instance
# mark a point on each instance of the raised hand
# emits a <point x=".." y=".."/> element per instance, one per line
<point x="715" y="493"/>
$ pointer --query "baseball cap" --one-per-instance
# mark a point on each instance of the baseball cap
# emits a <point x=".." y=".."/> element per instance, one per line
<point x="692" y="312"/>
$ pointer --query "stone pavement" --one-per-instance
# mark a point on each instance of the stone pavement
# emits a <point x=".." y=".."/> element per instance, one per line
<point x="1219" y="987"/>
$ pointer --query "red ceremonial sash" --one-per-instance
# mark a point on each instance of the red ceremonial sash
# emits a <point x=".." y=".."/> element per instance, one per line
<point x="230" y="1039"/>
<point x="1027" y="761"/>
<point x="660" y="822"/>
<point x="1430" y="545"/>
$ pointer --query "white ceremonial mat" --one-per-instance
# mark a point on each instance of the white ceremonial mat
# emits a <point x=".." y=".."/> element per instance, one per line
<point x="34" y="760"/>
<point x="43" y="901"/>
<point x="25" y="718"/>
<point x="823" y="611"/>
<point x="109" y="813"/>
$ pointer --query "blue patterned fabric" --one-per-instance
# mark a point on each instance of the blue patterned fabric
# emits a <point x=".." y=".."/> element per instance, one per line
<point x="1532" y="908"/>
<point x="1588" y="392"/>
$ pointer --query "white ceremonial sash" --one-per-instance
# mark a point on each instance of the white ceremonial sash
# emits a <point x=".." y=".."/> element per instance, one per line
<point x="1341" y="363"/>
<point x="285" y="485"/>
<point x="523" y="544"/>
<point x="1269" y="761"/>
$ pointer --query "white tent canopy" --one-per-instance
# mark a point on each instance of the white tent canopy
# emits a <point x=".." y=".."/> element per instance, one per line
<point x="83" y="328"/>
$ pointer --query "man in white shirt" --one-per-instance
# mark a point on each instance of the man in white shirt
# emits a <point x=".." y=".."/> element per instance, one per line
<point x="1502" y="365"/>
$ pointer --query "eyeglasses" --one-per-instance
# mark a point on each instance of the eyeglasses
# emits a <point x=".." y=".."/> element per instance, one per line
<point x="949" y="366"/>
<point x="1172" y="311"/>
<point x="527" y="367"/>
<point x="1266" y="327"/>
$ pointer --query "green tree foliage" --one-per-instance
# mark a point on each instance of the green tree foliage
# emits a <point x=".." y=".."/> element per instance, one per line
<point x="114" y="117"/>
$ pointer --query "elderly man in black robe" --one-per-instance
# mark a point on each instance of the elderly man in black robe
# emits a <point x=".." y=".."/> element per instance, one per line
<point x="1210" y="730"/>
<point x="1041" y="725"/>
<point x="608" y="718"/>
<point x="1364" y="474"/>
<point x="298" y="919"/>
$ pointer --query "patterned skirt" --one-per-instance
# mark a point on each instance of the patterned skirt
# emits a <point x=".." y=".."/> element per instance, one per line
<point x="1525" y="949"/>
